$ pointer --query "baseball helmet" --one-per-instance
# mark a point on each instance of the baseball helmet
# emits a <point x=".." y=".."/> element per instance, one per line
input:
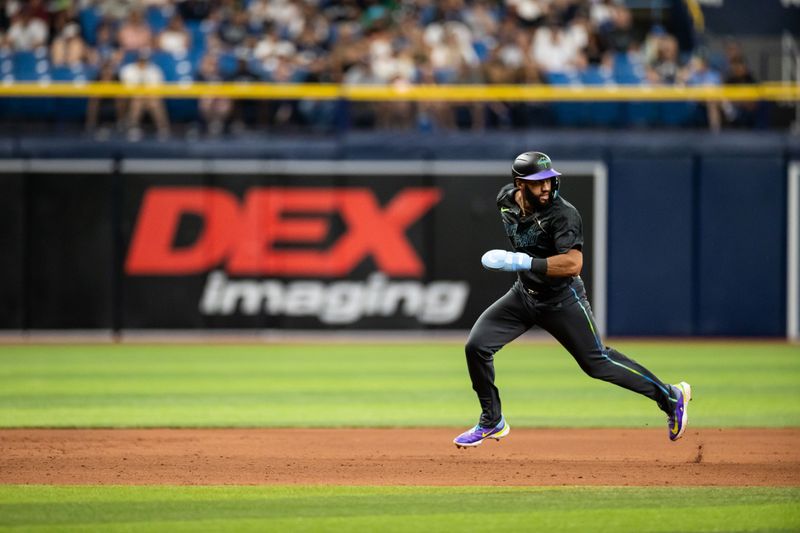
<point x="535" y="166"/>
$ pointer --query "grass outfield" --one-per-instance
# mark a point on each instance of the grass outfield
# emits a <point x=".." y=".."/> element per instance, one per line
<point x="274" y="508"/>
<point x="735" y="385"/>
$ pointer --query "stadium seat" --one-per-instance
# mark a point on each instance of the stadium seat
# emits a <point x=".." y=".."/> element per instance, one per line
<point x="633" y="113"/>
<point x="156" y="18"/>
<point x="31" y="67"/>
<point x="257" y="68"/>
<point x="28" y="67"/>
<point x="89" y="20"/>
<point x="677" y="113"/>
<point x="445" y="75"/>
<point x="6" y="76"/>
<point x="129" y="57"/>
<point x="72" y="109"/>
<point x="167" y="63"/>
<point x="566" y="113"/>
<point x="177" y="70"/>
<point x="227" y="65"/>
<point x="481" y="49"/>
<point x="197" y="32"/>
<point x="6" y="64"/>
<point x="605" y="114"/>
<point x="625" y="70"/>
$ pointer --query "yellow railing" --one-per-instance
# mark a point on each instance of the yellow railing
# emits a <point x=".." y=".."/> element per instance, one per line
<point x="456" y="93"/>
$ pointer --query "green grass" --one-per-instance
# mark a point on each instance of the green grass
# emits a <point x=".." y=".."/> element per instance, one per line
<point x="735" y="385"/>
<point x="296" y="508"/>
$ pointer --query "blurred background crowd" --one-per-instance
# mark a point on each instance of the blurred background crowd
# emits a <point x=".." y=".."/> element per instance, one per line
<point x="401" y="42"/>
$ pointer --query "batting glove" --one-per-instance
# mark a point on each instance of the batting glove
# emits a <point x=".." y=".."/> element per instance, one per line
<point x="506" y="261"/>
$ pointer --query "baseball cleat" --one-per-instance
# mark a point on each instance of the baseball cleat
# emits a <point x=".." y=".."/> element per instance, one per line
<point x="676" y="422"/>
<point x="478" y="434"/>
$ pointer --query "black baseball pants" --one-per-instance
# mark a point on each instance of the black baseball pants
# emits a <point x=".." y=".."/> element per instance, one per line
<point x="568" y="317"/>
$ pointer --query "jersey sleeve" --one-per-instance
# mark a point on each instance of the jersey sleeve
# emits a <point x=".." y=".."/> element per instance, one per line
<point x="568" y="232"/>
<point x="505" y="198"/>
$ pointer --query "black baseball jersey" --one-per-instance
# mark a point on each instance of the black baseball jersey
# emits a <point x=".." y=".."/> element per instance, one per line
<point x="550" y="230"/>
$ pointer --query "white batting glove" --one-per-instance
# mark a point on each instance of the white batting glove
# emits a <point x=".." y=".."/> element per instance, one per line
<point x="503" y="260"/>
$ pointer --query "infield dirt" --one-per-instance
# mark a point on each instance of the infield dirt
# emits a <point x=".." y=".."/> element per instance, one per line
<point x="733" y="457"/>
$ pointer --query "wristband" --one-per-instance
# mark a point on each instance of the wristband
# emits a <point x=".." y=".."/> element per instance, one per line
<point x="539" y="266"/>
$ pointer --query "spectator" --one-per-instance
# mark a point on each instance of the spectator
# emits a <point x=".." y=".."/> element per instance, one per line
<point x="552" y="50"/>
<point x="215" y="110"/>
<point x="741" y="113"/>
<point x="361" y="73"/>
<point x="270" y="47"/>
<point x="100" y="110"/>
<point x="144" y="73"/>
<point x="578" y="32"/>
<point x="135" y="34"/>
<point x="699" y="73"/>
<point x="260" y="12"/>
<point x="39" y="10"/>
<point x="60" y="21"/>
<point x="432" y="115"/>
<point x="343" y="11"/>
<point x="593" y="51"/>
<point x="174" y="39"/>
<point x="381" y="59"/>
<point x="529" y="12"/>
<point x="666" y="66"/>
<point x="617" y="34"/>
<point x="243" y="72"/>
<point x="482" y="22"/>
<point x="27" y="32"/>
<point x="116" y="10"/>
<point x="731" y="53"/>
<point x="194" y="10"/>
<point x="4" y="23"/>
<point x="601" y="14"/>
<point x="509" y="54"/>
<point x="450" y="53"/>
<point x="347" y="52"/>
<point x="370" y="41"/>
<point x="286" y="15"/>
<point x="68" y="47"/>
<point x="105" y="50"/>
<point x="398" y="71"/>
<point x="319" y="114"/>
<point x="234" y="31"/>
<point x="311" y="42"/>
<point x="244" y="111"/>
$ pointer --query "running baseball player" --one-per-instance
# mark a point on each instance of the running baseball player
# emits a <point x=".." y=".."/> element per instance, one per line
<point x="546" y="235"/>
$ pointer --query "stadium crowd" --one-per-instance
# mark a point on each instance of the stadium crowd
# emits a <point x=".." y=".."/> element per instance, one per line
<point x="399" y="42"/>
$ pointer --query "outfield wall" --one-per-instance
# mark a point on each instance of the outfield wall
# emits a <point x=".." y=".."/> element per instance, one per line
<point x="685" y="235"/>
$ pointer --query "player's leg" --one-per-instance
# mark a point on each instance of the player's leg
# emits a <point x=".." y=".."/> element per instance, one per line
<point x="571" y="322"/>
<point x="573" y="325"/>
<point x="502" y="322"/>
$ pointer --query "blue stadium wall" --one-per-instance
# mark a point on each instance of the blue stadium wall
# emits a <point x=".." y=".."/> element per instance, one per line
<point x="697" y="223"/>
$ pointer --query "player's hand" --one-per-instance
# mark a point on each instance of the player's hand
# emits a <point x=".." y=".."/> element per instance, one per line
<point x="506" y="261"/>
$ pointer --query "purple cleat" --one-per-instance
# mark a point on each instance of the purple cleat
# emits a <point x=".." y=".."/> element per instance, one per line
<point x="478" y="434"/>
<point x="676" y="422"/>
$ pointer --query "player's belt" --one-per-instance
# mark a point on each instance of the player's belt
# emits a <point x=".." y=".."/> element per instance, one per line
<point x="546" y="294"/>
<point x="540" y="293"/>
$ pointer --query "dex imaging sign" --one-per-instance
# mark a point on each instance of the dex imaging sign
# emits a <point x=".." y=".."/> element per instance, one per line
<point x="295" y="251"/>
<point x="247" y="236"/>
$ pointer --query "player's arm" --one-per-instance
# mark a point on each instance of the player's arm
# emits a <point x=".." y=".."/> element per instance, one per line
<point x="563" y="265"/>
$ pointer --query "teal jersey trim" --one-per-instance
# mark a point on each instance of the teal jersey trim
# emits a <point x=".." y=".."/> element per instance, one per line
<point x="605" y="354"/>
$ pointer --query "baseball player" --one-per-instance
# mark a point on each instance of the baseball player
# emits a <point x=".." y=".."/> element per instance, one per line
<point x="546" y="235"/>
